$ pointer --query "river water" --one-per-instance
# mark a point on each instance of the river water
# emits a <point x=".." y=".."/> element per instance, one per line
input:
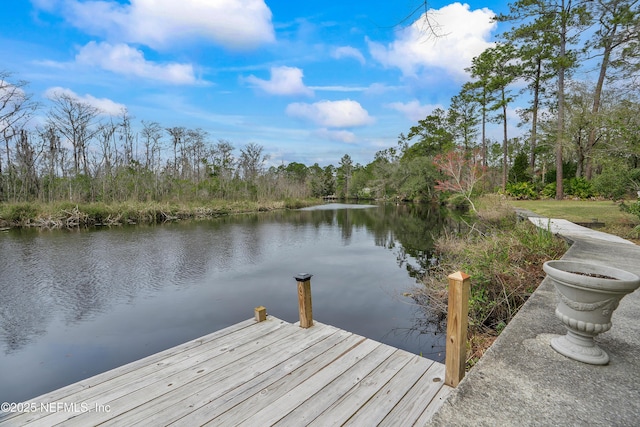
<point x="77" y="303"/>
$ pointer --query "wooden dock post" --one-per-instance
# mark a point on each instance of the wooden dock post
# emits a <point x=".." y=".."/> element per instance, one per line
<point x="457" y="319"/>
<point x="304" y="299"/>
<point x="261" y="313"/>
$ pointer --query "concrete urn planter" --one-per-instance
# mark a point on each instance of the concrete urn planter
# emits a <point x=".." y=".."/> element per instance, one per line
<point x="588" y="295"/>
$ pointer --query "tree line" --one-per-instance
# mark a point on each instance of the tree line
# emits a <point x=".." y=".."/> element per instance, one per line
<point x="81" y="155"/>
<point x="580" y="137"/>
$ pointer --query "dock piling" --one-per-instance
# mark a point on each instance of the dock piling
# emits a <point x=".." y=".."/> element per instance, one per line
<point x="304" y="299"/>
<point x="260" y="313"/>
<point x="457" y="320"/>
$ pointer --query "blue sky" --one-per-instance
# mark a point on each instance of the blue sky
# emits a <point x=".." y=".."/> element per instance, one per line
<point x="308" y="80"/>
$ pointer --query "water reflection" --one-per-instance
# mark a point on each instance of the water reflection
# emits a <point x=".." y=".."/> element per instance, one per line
<point x="78" y="303"/>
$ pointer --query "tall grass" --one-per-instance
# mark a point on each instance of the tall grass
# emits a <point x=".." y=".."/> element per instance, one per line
<point x="70" y="215"/>
<point x="503" y="256"/>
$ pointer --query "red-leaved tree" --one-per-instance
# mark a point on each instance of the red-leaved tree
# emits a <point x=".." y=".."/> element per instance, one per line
<point x="463" y="170"/>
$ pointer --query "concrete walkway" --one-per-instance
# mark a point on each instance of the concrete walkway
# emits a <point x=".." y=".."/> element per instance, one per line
<point x="522" y="381"/>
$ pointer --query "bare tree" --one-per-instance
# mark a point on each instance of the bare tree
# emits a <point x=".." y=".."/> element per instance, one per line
<point x="50" y="141"/>
<point x="196" y="139"/>
<point x="26" y="158"/>
<point x="126" y="136"/>
<point x="16" y="107"/>
<point x="177" y="133"/>
<point x="251" y="161"/>
<point x="151" y="134"/>
<point x="109" y="154"/>
<point x="77" y="122"/>
<point x="223" y="164"/>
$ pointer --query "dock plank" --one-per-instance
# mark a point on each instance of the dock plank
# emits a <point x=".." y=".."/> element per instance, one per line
<point x="411" y="406"/>
<point x="132" y="388"/>
<point x="128" y="373"/>
<point x="253" y="399"/>
<point x="341" y="410"/>
<point x="142" y="392"/>
<point x="388" y="396"/>
<point x="289" y="401"/>
<point x="266" y="373"/>
<point x="160" y="357"/>
<point x="317" y="403"/>
<point x="165" y="409"/>
<point x="433" y="406"/>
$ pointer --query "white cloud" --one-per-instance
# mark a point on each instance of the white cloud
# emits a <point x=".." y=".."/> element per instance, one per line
<point x="284" y="81"/>
<point x="123" y="59"/>
<point x="462" y="35"/>
<point x="380" y="88"/>
<point x="47" y="5"/>
<point x="348" y="52"/>
<point x="336" y="135"/>
<point x="373" y="89"/>
<point x="339" y="88"/>
<point x="413" y="110"/>
<point x="234" y="24"/>
<point x="331" y="114"/>
<point x="105" y="105"/>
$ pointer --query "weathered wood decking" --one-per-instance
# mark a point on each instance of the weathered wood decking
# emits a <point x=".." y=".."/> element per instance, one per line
<point x="252" y="373"/>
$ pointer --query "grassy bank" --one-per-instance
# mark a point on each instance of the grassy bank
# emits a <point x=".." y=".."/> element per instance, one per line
<point x="71" y="215"/>
<point x="504" y="258"/>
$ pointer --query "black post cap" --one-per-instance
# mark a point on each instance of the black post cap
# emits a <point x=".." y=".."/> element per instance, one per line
<point x="303" y="277"/>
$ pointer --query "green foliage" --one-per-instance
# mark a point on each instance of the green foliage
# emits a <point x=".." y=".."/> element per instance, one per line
<point x="549" y="191"/>
<point x="522" y="190"/>
<point x="360" y="180"/>
<point x="456" y="201"/>
<point x="505" y="265"/>
<point x="299" y="203"/>
<point x="632" y="208"/>
<point x="520" y="170"/>
<point x="568" y="169"/>
<point x="432" y="136"/>
<point x="21" y="213"/>
<point x="296" y="171"/>
<point x="614" y="182"/>
<point x="417" y="179"/>
<point x="99" y="212"/>
<point x="575" y="187"/>
<point x="578" y="187"/>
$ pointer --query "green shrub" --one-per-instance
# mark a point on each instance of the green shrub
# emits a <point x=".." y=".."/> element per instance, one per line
<point x="578" y="187"/>
<point x="521" y="190"/>
<point x="633" y="208"/>
<point x="549" y="191"/>
<point x="568" y="169"/>
<point x="457" y="201"/>
<point x="520" y="170"/>
<point x="614" y="182"/>
<point x="505" y="265"/>
<point x="22" y="213"/>
<point x="96" y="212"/>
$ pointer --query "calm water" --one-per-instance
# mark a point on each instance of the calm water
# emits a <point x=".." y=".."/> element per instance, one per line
<point x="74" y="304"/>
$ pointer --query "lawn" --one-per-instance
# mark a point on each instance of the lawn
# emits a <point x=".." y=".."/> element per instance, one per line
<point x="578" y="210"/>
<point x="608" y="212"/>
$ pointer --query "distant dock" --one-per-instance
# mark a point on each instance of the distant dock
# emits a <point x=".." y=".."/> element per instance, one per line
<point x="254" y="373"/>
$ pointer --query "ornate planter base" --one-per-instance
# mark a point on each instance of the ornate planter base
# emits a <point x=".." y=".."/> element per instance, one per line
<point x="587" y="296"/>
<point x="580" y="347"/>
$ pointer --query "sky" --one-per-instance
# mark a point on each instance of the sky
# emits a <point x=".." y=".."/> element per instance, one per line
<point x="307" y="80"/>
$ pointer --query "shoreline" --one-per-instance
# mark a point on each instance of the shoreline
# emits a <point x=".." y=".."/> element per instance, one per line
<point x="68" y="215"/>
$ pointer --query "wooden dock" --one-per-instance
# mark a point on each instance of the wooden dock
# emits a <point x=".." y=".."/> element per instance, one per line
<point x="254" y="373"/>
